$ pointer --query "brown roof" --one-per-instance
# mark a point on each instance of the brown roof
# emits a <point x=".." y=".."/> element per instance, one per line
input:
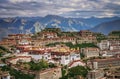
<point x="105" y="60"/>
<point x="60" y="53"/>
<point x="20" y="57"/>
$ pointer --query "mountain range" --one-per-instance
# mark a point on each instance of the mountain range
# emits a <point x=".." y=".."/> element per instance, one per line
<point x="107" y="27"/>
<point x="36" y="24"/>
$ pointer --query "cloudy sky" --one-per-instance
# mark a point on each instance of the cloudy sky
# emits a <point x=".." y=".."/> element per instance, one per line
<point x="66" y="8"/>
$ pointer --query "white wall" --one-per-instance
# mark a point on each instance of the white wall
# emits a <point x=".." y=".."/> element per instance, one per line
<point x="74" y="57"/>
<point x="95" y="65"/>
<point x="65" y="61"/>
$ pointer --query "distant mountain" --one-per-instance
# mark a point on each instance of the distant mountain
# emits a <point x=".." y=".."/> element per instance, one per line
<point x="36" y="24"/>
<point x="107" y="27"/>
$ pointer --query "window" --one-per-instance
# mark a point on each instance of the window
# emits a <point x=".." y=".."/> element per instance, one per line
<point x="66" y="58"/>
<point x="73" y="59"/>
<point x="77" y="56"/>
<point x="48" y="55"/>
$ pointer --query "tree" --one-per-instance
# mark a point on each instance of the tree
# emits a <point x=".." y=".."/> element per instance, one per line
<point x="17" y="74"/>
<point x="38" y="66"/>
<point x="82" y="55"/>
<point x="52" y="65"/>
<point x="78" y="70"/>
<point x="0" y="54"/>
<point x="4" y="49"/>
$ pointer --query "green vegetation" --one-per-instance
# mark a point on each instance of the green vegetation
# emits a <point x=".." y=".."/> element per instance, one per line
<point x="4" y="50"/>
<point x="52" y="30"/>
<point x="69" y="44"/>
<point x="16" y="73"/>
<point x="65" y="77"/>
<point x="4" y="59"/>
<point x="70" y="34"/>
<point x="38" y="66"/>
<point x="115" y="33"/>
<point x="0" y="54"/>
<point x="53" y="44"/>
<point x="84" y="45"/>
<point x="100" y="37"/>
<point x="52" y="65"/>
<point x="82" y="55"/>
<point x="63" y="72"/>
<point x="75" y="71"/>
<point x="33" y="66"/>
<point x="78" y="70"/>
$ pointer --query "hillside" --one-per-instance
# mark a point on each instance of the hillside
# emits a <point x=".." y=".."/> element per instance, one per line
<point x="107" y="27"/>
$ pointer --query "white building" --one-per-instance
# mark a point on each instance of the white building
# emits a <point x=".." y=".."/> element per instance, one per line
<point x="104" y="44"/>
<point x="74" y="56"/>
<point x="38" y="55"/>
<point x="61" y="55"/>
<point x="24" y="42"/>
<point x="66" y="58"/>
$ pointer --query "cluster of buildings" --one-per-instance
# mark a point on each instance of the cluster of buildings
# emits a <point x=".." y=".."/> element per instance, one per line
<point x="105" y="63"/>
<point x="29" y="47"/>
<point x="14" y="39"/>
<point x="60" y="54"/>
<point x="109" y="47"/>
<point x="86" y="36"/>
<point x="47" y="37"/>
<point x="109" y="50"/>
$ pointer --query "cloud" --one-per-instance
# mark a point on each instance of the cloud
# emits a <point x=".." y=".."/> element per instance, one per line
<point x="67" y="8"/>
<point x="20" y="1"/>
<point x="87" y="14"/>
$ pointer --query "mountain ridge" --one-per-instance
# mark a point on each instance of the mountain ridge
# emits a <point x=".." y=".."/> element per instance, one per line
<point x="107" y="27"/>
<point x="28" y="24"/>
